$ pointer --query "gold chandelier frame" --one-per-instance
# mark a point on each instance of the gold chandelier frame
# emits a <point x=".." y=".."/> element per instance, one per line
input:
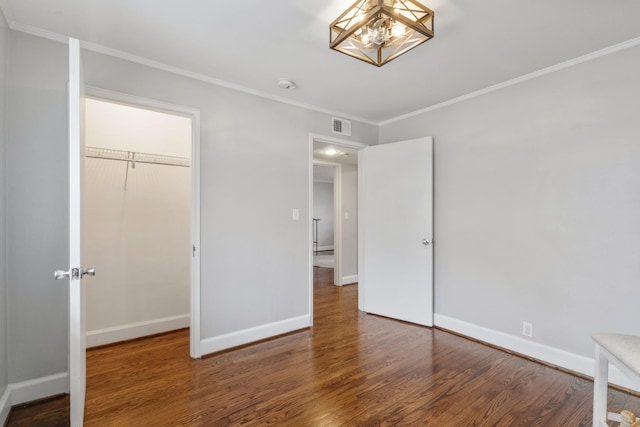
<point x="378" y="31"/>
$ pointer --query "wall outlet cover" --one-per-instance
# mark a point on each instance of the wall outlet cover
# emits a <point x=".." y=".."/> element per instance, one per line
<point x="527" y="329"/>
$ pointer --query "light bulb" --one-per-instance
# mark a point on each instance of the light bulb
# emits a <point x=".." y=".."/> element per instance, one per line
<point x="398" y="29"/>
<point x="330" y="152"/>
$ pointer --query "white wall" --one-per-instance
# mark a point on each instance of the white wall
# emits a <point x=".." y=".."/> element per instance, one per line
<point x="254" y="152"/>
<point x="323" y="210"/>
<point x="118" y="126"/>
<point x="4" y="39"/>
<point x="537" y="205"/>
<point x="349" y="224"/>
<point x="140" y="237"/>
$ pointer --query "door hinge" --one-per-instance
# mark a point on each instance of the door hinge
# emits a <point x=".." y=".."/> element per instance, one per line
<point x="194" y="251"/>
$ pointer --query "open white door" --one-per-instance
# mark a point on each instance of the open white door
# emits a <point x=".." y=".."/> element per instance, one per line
<point x="77" y="343"/>
<point x="77" y="339"/>
<point x="396" y="229"/>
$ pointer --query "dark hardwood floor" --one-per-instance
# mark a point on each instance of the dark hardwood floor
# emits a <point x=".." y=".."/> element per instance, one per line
<point x="51" y="412"/>
<point x="350" y="369"/>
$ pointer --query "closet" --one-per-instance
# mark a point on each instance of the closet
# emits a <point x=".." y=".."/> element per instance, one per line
<point x="137" y="225"/>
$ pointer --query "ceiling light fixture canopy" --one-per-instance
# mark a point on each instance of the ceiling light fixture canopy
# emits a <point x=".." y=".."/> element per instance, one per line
<point x="377" y="31"/>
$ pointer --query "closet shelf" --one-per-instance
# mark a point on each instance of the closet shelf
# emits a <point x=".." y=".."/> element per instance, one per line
<point x="134" y="157"/>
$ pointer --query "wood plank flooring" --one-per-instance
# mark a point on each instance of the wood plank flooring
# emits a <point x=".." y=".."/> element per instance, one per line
<point x="50" y="412"/>
<point x="350" y="369"/>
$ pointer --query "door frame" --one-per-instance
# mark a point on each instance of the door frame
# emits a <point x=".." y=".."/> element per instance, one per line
<point x="194" y="114"/>
<point x="337" y="206"/>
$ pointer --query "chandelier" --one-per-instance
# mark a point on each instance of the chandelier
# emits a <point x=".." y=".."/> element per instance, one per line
<point x="377" y="31"/>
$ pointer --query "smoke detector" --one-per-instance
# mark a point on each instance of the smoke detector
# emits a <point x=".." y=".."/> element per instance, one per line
<point x="286" y="84"/>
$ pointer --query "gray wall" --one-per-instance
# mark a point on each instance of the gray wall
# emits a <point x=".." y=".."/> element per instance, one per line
<point x="4" y="40"/>
<point x="37" y="198"/>
<point x="537" y="203"/>
<point x="350" y="225"/>
<point x="254" y="152"/>
<point x="323" y="210"/>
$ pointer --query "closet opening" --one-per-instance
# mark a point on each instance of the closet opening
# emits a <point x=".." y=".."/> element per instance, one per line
<point x="140" y="227"/>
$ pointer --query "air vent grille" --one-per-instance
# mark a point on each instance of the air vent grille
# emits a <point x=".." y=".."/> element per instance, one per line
<point x="341" y="126"/>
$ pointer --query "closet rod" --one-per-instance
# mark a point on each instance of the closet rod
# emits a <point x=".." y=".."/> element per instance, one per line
<point x="137" y="161"/>
<point x="135" y="157"/>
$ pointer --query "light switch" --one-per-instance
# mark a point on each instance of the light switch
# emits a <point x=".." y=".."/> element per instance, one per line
<point x="296" y="215"/>
<point x="346" y="215"/>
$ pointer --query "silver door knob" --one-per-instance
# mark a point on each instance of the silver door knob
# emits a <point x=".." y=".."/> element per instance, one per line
<point x="60" y="274"/>
<point x="425" y="242"/>
<point x="91" y="271"/>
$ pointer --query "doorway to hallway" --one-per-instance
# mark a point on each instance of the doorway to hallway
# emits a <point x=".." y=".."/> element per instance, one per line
<point x="335" y="175"/>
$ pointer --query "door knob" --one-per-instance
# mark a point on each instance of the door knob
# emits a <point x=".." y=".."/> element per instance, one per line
<point x="91" y="271"/>
<point x="425" y="242"/>
<point x="60" y="274"/>
<point x="74" y="273"/>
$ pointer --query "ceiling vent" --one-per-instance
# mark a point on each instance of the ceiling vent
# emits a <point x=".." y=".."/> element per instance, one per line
<point x="341" y="126"/>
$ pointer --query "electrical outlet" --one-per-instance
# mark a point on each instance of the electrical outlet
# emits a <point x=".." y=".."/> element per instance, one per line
<point x="527" y="329"/>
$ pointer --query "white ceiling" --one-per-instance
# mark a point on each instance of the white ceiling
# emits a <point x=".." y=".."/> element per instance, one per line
<point x="252" y="44"/>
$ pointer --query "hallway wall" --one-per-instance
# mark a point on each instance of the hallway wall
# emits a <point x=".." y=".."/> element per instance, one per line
<point x="350" y="224"/>
<point x="323" y="210"/>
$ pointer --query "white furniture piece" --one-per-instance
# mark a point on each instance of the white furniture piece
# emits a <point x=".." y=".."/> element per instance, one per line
<point x="623" y="352"/>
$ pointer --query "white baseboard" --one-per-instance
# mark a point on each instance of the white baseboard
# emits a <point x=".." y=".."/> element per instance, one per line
<point x="325" y="248"/>
<point x="348" y="280"/>
<point x="39" y="388"/>
<point x="28" y="391"/>
<point x="246" y="336"/>
<point x="136" y="330"/>
<point x="5" y="405"/>
<point x="542" y="352"/>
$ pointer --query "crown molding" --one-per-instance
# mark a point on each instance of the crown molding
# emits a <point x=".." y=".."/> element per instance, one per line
<point x="552" y="69"/>
<point x="94" y="47"/>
